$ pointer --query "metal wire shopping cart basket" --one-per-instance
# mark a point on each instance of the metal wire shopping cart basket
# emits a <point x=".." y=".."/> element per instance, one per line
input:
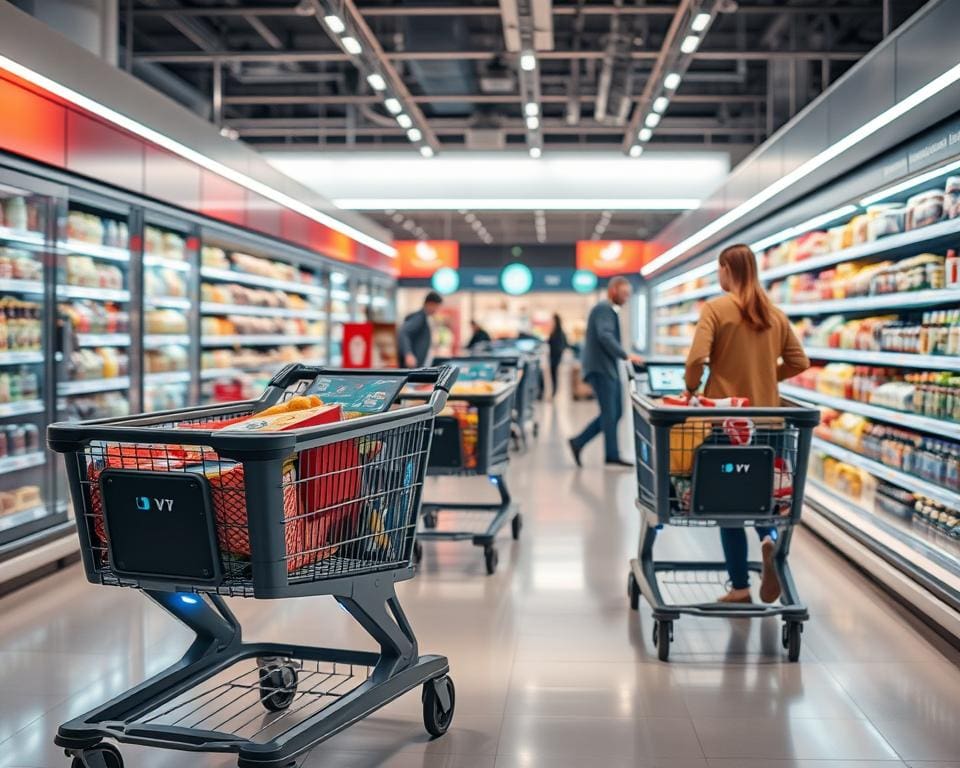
<point x="696" y="468"/>
<point x="529" y="355"/>
<point x="171" y="504"/>
<point x="472" y="438"/>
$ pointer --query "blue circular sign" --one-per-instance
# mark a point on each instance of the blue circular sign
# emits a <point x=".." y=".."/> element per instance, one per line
<point x="584" y="281"/>
<point x="516" y="279"/>
<point x="445" y="280"/>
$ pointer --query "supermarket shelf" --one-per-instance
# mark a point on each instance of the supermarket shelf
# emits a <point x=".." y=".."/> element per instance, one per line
<point x="102" y="339"/>
<point x="689" y="317"/>
<point x="672" y="341"/>
<point x="96" y="294"/>
<point x="906" y="300"/>
<point x="886" y="359"/>
<point x="167" y="302"/>
<point x="22" y="236"/>
<point x="23" y="517"/>
<point x="341" y="317"/>
<point x="105" y="252"/>
<point x="253" y="340"/>
<point x="13" y="463"/>
<point x="938" y="427"/>
<point x="895" y="476"/>
<point x="91" y="386"/>
<point x="20" y="358"/>
<point x="219" y="373"/>
<point x="167" y="377"/>
<point x="699" y="293"/>
<point x="21" y="408"/>
<point x="211" y="308"/>
<point x="160" y="261"/>
<point x="21" y="286"/>
<point x="228" y="275"/>
<point x="341" y="294"/>
<point x="884" y="245"/>
<point x="156" y="340"/>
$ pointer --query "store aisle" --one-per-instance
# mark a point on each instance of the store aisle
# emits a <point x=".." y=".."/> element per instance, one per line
<point x="550" y="665"/>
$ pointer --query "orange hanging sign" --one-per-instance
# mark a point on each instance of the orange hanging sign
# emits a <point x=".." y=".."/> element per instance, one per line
<point x="421" y="258"/>
<point x="606" y="258"/>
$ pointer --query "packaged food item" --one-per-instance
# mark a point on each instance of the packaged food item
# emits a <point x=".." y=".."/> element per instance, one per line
<point x="886" y="220"/>
<point x="951" y="198"/>
<point x="924" y="209"/>
<point x="292" y="418"/>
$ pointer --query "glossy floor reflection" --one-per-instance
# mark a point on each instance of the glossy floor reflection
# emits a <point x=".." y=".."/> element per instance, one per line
<point x="551" y="667"/>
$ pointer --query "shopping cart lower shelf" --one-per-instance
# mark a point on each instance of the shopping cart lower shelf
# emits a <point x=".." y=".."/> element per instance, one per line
<point x="326" y="510"/>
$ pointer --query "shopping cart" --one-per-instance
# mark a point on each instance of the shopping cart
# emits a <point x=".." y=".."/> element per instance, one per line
<point x="691" y="472"/>
<point x="171" y="505"/>
<point x="529" y="354"/>
<point x="473" y="439"/>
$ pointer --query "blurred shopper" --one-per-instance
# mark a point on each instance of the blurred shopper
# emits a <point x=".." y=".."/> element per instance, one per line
<point x="416" y="334"/>
<point x="602" y="353"/>
<point x="750" y="347"/>
<point x="558" y="345"/>
<point x="478" y="335"/>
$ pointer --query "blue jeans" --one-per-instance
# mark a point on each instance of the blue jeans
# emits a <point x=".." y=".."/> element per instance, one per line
<point x="734" y="541"/>
<point x="610" y="400"/>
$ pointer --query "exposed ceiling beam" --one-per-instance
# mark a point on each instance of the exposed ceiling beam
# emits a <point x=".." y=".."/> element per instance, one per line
<point x="473" y="98"/>
<point x="205" y="57"/>
<point x="265" y="32"/>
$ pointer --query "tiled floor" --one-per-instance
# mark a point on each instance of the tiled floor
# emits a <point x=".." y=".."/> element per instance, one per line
<point x="551" y="667"/>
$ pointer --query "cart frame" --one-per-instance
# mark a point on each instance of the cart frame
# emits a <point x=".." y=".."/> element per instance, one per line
<point x="369" y="597"/>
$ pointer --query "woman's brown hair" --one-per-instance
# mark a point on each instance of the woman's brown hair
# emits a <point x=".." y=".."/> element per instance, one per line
<point x="755" y="306"/>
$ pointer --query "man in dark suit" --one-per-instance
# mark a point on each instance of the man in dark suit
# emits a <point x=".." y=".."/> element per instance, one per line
<point x="600" y="360"/>
<point x="415" y="335"/>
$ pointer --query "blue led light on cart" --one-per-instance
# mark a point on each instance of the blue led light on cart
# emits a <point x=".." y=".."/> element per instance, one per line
<point x="189" y="599"/>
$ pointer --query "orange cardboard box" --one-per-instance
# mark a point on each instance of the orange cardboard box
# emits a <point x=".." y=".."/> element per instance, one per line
<point x="279" y="422"/>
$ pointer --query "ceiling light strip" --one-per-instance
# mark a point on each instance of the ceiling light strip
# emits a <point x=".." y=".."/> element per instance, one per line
<point x="853" y="138"/>
<point x="214" y="166"/>
<point x="518" y="204"/>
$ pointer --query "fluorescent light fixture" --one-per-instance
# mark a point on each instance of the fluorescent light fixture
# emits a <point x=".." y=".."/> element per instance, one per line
<point x="690" y="44"/>
<point x="377" y="82"/>
<point x="531" y="109"/>
<point x="671" y="81"/>
<point x="645" y="134"/>
<point x="533" y="123"/>
<point x="404" y="120"/>
<point x="214" y="166"/>
<point x="660" y="104"/>
<point x="528" y="61"/>
<point x="519" y="204"/>
<point x="335" y="24"/>
<point x="351" y="46"/>
<point x="652" y="121"/>
<point x="910" y="183"/>
<point x="426" y="150"/>
<point x="414" y="134"/>
<point x="807" y="226"/>
<point x="911" y="102"/>
<point x="636" y="150"/>
<point x="691" y="274"/>
<point x="394" y="107"/>
<point x="700" y="22"/>
<point x="535" y="152"/>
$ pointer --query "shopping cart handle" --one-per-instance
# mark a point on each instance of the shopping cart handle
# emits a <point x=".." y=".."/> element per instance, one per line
<point x="442" y="377"/>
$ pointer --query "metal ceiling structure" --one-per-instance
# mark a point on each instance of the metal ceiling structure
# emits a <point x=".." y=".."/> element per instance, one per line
<point x="530" y="75"/>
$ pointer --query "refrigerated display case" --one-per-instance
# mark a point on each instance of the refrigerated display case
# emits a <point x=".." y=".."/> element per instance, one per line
<point x="343" y="309"/>
<point x="875" y="298"/>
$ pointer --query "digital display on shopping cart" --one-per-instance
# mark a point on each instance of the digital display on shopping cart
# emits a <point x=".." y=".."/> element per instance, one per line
<point x="668" y="379"/>
<point x="476" y="371"/>
<point x="357" y="394"/>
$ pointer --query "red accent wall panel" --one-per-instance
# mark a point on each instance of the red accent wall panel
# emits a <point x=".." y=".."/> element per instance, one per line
<point x="295" y="228"/>
<point x="264" y="215"/>
<point x="222" y="199"/>
<point x="331" y="243"/>
<point x="32" y="125"/>
<point x="102" y="152"/>
<point x="171" y="179"/>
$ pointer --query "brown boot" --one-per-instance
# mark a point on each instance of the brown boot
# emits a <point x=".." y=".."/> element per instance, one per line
<point x="769" y="581"/>
<point x="736" y="596"/>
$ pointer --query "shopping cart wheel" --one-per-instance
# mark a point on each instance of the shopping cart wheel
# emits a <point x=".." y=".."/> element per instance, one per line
<point x="278" y="687"/>
<point x="100" y="756"/>
<point x="516" y="525"/>
<point x="417" y="553"/>
<point x="662" y="635"/>
<point x="633" y="592"/>
<point x="430" y="519"/>
<point x="791" y="639"/>
<point x="437" y="717"/>
<point x="491" y="557"/>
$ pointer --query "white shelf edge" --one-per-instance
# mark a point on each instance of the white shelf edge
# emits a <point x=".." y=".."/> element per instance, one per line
<point x="672" y="341"/>
<point x="105" y="252"/>
<point x="20" y="358"/>
<point x="891" y="359"/>
<point x="230" y="276"/>
<point x="154" y="340"/>
<point x="213" y="308"/>
<point x="886" y="415"/>
<point x="102" y="339"/>
<point x="165" y="263"/>
<point x="689" y="317"/>
<point x="699" y="293"/>
<point x="13" y="463"/>
<point x="21" y="236"/>
<point x="92" y="386"/>
<point x="882" y="301"/>
<point x="894" y="476"/>
<point x="21" y="408"/>
<point x="166" y="302"/>
<point x="95" y="294"/>
<point x="167" y="377"/>
<point x="33" y="287"/>
<point x="215" y="373"/>
<point x="260" y="340"/>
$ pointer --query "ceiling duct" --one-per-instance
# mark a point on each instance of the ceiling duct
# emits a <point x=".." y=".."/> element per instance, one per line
<point x="446" y="77"/>
<point x="527" y="17"/>
<point x="615" y="85"/>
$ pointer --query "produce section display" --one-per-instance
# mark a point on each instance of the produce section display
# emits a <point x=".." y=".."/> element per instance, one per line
<point x="876" y="302"/>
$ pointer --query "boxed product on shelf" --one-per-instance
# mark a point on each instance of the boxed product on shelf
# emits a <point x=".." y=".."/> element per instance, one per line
<point x="99" y="363"/>
<point x="87" y="316"/>
<point x="165" y="321"/>
<point x="21" y="325"/>
<point x="17" y="264"/>
<point x="166" y="359"/>
<point x="16" y="386"/>
<point x="19" y="440"/>
<point x="930" y="333"/>
<point x="938" y="516"/>
<point x="158" y="281"/>
<point x="163" y="243"/>
<point x="90" y="228"/>
<point x="20" y="213"/>
<point x="97" y="406"/>
<point x="242" y="295"/>
<point x="86" y="272"/>
<point x="20" y="500"/>
<point x="211" y="256"/>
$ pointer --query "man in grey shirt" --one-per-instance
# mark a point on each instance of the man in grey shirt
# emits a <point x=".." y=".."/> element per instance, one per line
<point x="600" y="360"/>
<point x="415" y="336"/>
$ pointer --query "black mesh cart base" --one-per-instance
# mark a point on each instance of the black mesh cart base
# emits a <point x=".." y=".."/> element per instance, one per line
<point x="326" y="510"/>
<point x="473" y="439"/>
<point x="708" y="467"/>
